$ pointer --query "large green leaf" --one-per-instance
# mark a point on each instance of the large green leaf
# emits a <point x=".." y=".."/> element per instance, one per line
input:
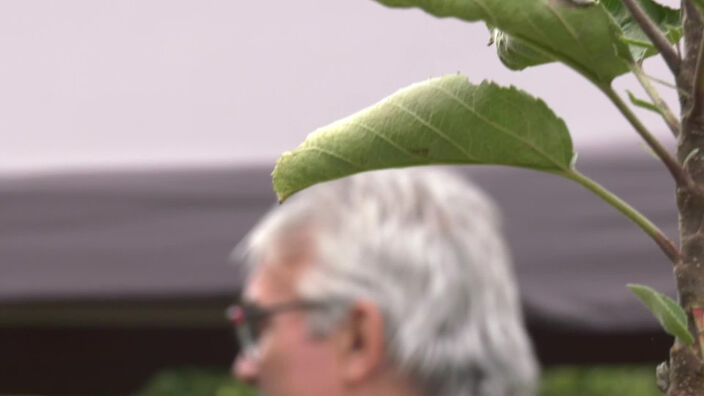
<point x="670" y="315"/>
<point x="444" y="120"/>
<point x="579" y="33"/>
<point x="666" y="18"/>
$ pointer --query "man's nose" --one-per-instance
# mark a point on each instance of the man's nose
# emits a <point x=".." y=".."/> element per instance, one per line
<point x="246" y="370"/>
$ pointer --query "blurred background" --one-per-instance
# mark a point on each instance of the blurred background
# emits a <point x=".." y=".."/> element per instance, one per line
<point x="136" y="140"/>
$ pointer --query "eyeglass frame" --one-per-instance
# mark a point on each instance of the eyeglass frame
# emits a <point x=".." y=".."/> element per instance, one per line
<point x="245" y="315"/>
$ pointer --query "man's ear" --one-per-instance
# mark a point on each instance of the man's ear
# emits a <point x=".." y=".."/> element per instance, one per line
<point x="361" y="342"/>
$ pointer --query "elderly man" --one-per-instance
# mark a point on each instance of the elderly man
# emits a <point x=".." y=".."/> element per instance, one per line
<point x="385" y="283"/>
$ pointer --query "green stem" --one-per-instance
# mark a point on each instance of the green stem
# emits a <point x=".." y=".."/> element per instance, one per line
<point x="665" y="83"/>
<point x="666" y="244"/>
<point x="669" y="161"/>
<point x="665" y="111"/>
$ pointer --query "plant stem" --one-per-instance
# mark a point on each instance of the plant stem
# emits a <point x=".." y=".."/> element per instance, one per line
<point x="669" y="161"/>
<point x="667" y="84"/>
<point x="669" y="117"/>
<point x="665" y="243"/>
<point x="655" y="35"/>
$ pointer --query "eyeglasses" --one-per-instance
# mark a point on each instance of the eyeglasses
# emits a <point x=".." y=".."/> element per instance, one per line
<point x="250" y="321"/>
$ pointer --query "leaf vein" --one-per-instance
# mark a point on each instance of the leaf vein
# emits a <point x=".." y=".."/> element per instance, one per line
<point x="334" y="155"/>
<point x="498" y="127"/>
<point x="569" y="29"/>
<point x="436" y="130"/>
<point x="486" y="11"/>
<point x="381" y="136"/>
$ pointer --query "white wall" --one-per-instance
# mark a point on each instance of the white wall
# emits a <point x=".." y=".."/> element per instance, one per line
<point x="96" y="83"/>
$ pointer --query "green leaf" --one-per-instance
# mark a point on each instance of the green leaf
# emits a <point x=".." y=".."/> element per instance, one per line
<point x="444" y="120"/>
<point x="642" y="103"/>
<point x="670" y="315"/>
<point x="666" y="18"/>
<point x="579" y="33"/>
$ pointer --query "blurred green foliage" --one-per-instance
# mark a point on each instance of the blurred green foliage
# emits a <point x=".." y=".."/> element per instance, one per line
<point x="557" y="381"/>
<point x="195" y="381"/>
<point x="599" y="381"/>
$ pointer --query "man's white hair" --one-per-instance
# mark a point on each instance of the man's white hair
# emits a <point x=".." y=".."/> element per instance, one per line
<point x="426" y="246"/>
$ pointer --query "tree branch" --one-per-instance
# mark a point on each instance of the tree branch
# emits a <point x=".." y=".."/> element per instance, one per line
<point x="670" y="119"/>
<point x="675" y="169"/>
<point x="655" y="35"/>
<point x="698" y="94"/>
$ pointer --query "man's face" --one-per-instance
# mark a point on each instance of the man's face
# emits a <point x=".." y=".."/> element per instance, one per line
<point x="289" y="360"/>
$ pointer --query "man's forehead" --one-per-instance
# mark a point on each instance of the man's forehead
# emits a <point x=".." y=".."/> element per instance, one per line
<point x="276" y="274"/>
